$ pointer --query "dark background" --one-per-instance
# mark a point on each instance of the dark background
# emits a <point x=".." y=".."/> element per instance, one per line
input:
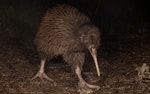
<point x="113" y="17"/>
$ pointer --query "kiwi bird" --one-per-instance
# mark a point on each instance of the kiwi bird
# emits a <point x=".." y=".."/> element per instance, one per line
<point x="66" y="31"/>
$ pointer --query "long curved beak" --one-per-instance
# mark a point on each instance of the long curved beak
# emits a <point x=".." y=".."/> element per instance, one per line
<point x="93" y="52"/>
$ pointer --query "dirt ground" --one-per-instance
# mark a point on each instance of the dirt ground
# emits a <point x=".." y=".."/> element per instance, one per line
<point x="118" y="58"/>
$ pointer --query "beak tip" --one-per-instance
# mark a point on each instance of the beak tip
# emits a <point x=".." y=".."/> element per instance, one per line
<point x="98" y="74"/>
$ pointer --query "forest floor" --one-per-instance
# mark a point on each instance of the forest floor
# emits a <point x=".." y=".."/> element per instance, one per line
<point x="118" y="57"/>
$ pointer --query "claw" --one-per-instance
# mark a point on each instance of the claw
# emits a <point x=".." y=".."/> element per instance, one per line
<point x="83" y="84"/>
<point x="41" y="76"/>
<point x="93" y="86"/>
<point x="85" y="88"/>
